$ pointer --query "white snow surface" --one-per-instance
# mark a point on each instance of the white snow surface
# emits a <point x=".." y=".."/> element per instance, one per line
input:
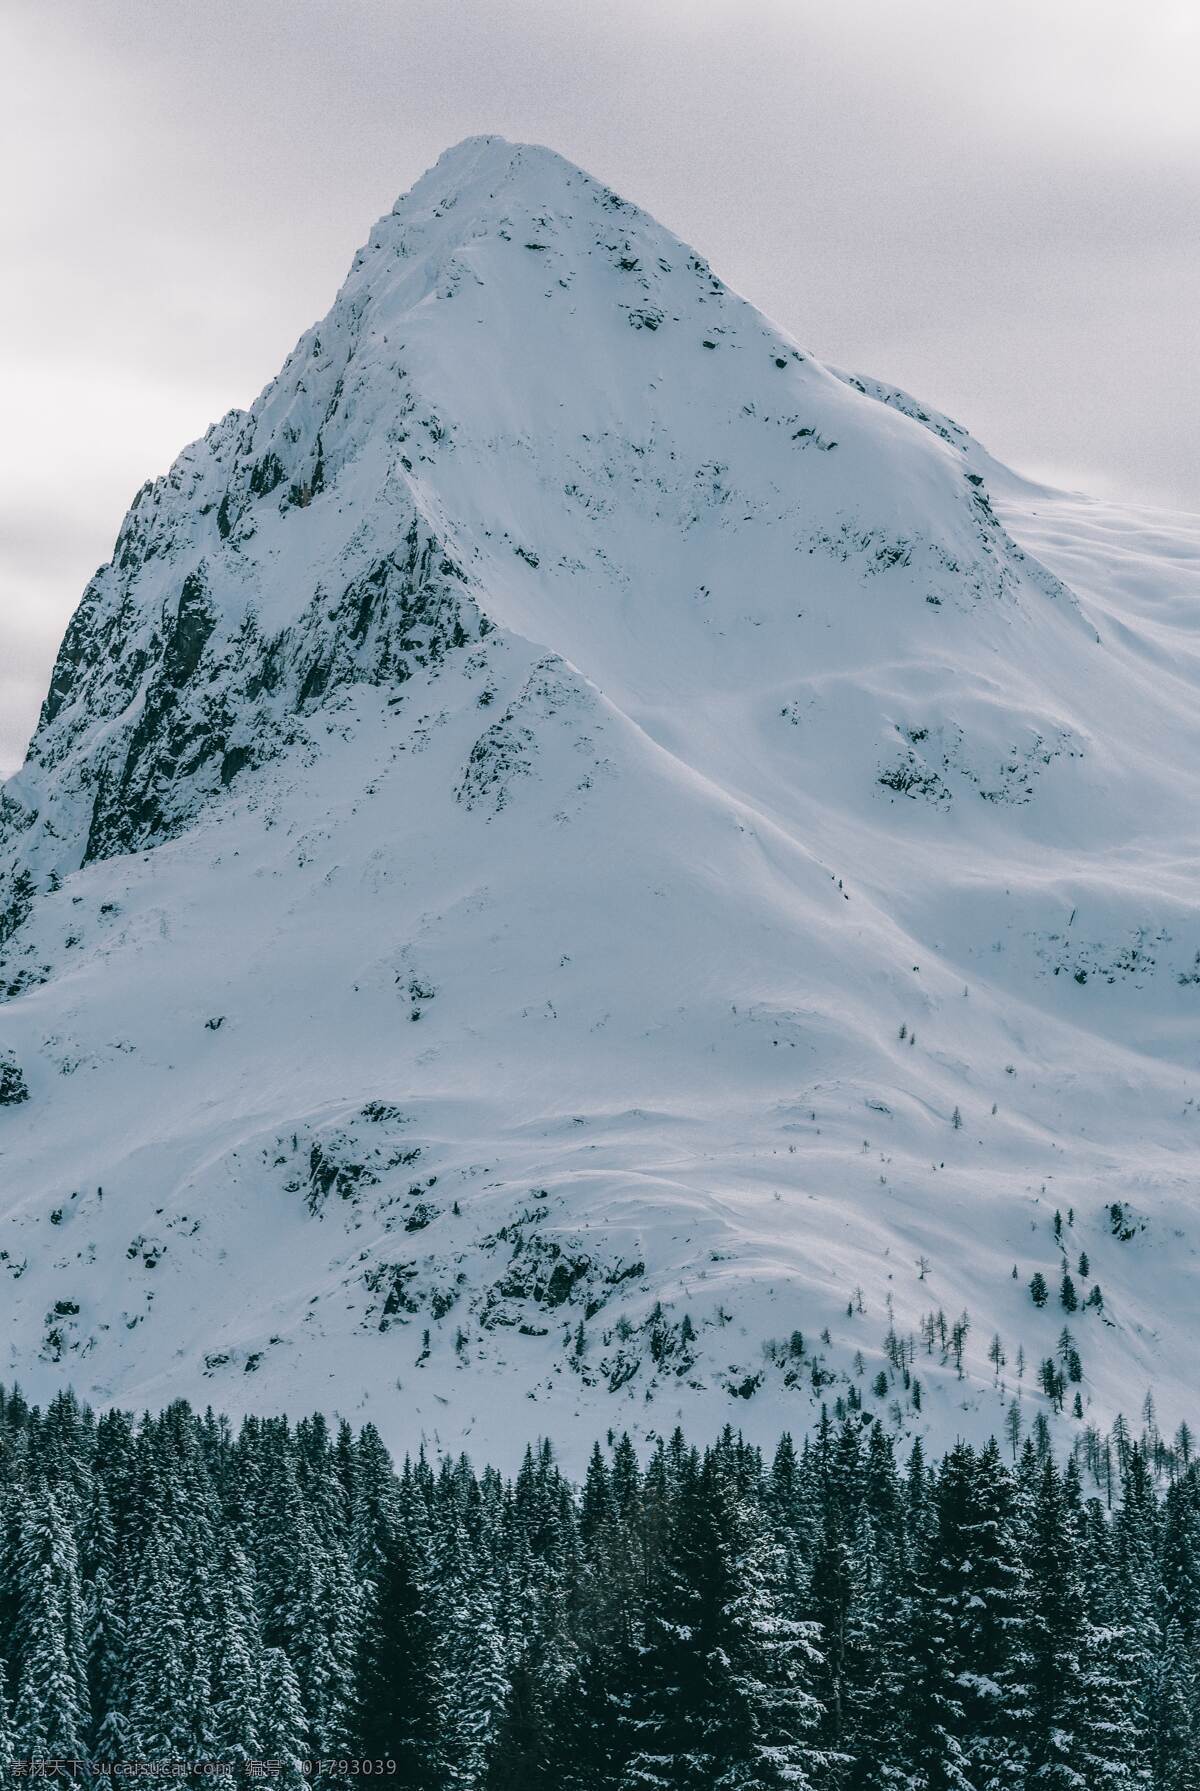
<point x="620" y="922"/>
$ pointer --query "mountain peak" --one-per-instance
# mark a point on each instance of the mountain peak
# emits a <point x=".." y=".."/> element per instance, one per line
<point x="485" y="163"/>
<point x="516" y="355"/>
<point x="488" y="177"/>
<point x="497" y="824"/>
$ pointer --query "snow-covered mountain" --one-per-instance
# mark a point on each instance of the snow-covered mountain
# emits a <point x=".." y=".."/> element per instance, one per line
<point x="572" y="873"/>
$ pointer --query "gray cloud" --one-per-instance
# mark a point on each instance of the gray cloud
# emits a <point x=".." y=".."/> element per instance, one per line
<point x="991" y="205"/>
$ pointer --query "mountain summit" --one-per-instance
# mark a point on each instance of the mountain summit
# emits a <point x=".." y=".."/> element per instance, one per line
<point x="571" y="855"/>
<point x="533" y="409"/>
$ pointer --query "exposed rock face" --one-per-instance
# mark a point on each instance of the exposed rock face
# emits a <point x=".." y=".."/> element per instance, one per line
<point x="151" y="713"/>
<point x="13" y="1087"/>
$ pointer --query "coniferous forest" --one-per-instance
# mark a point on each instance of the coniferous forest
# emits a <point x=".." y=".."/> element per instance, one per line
<point x="267" y="1598"/>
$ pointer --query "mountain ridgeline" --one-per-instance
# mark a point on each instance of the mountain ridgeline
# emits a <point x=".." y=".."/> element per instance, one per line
<point x="226" y="610"/>
<point x="574" y="854"/>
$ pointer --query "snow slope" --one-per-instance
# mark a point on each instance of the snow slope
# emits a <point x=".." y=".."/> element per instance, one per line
<point x="571" y="844"/>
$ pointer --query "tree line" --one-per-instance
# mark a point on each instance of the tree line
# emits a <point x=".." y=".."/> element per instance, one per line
<point x="825" y="1616"/>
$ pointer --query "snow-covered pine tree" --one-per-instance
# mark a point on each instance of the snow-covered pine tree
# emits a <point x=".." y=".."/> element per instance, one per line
<point x="107" y="1646"/>
<point x="51" y="1714"/>
<point x="874" y="1715"/>
<point x="939" y="1697"/>
<point x="518" y="1761"/>
<point x="667" y="1699"/>
<point x="764" y="1664"/>
<point x="594" y="1705"/>
<point x="236" y="1676"/>
<point x="159" y="1709"/>
<point x="1177" y="1715"/>
<point x="283" y="1731"/>
<point x="1113" y="1742"/>
<point x="402" y="1711"/>
<point x="480" y="1686"/>
<point x="1055" y="1634"/>
<point x="992" y="1630"/>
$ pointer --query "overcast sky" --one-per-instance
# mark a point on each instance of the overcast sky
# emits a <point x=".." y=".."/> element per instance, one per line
<point x="993" y="203"/>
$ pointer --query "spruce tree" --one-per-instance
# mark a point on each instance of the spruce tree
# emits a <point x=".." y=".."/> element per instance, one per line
<point x="940" y="1691"/>
<point x="1177" y="1715"/>
<point x="401" y="1687"/>
<point x="1113" y="1744"/>
<point x="51" y="1714"/>
<point x="992" y="1630"/>
<point x="517" y="1762"/>
<point x="158" y="1710"/>
<point x="279" y="1593"/>
<point x="480" y="1688"/>
<point x="667" y="1700"/>
<point x="1055" y="1636"/>
<point x="283" y="1731"/>
<point x="107" y="1656"/>
<point x="236" y="1677"/>
<point x="873" y="1731"/>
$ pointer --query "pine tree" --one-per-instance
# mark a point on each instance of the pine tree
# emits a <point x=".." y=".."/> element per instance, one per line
<point x="1055" y="1636"/>
<point x="236" y="1659"/>
<point x="341" y="1620"/>
<point x="1177" y="1716"/>
<point x="1112" y="1736"/>
<point x="159" y="1717"/>
<point x="1135" y="1542"/>
<point x="517" y="1762"/>
<point x="480" y="1688"/>
<point x="873" y="1733"/>
<point x="992" y="1629"/>
<point x="401" y="1687"/>
<point x="764" y="1665"/>
<point x="50" y="1651"/>
<point x="667" y="1700"/>
<point x="107" y="1646"/>
<point x="283" y="1731"/>
<point x="707" y="1625"/>
<point x="1179" y="1558"/>
<point x="724" y="1695"/>
<point x="940" y="1729"/>
<point x="831" y="1596"/>
<point x="589" y="1712"/>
